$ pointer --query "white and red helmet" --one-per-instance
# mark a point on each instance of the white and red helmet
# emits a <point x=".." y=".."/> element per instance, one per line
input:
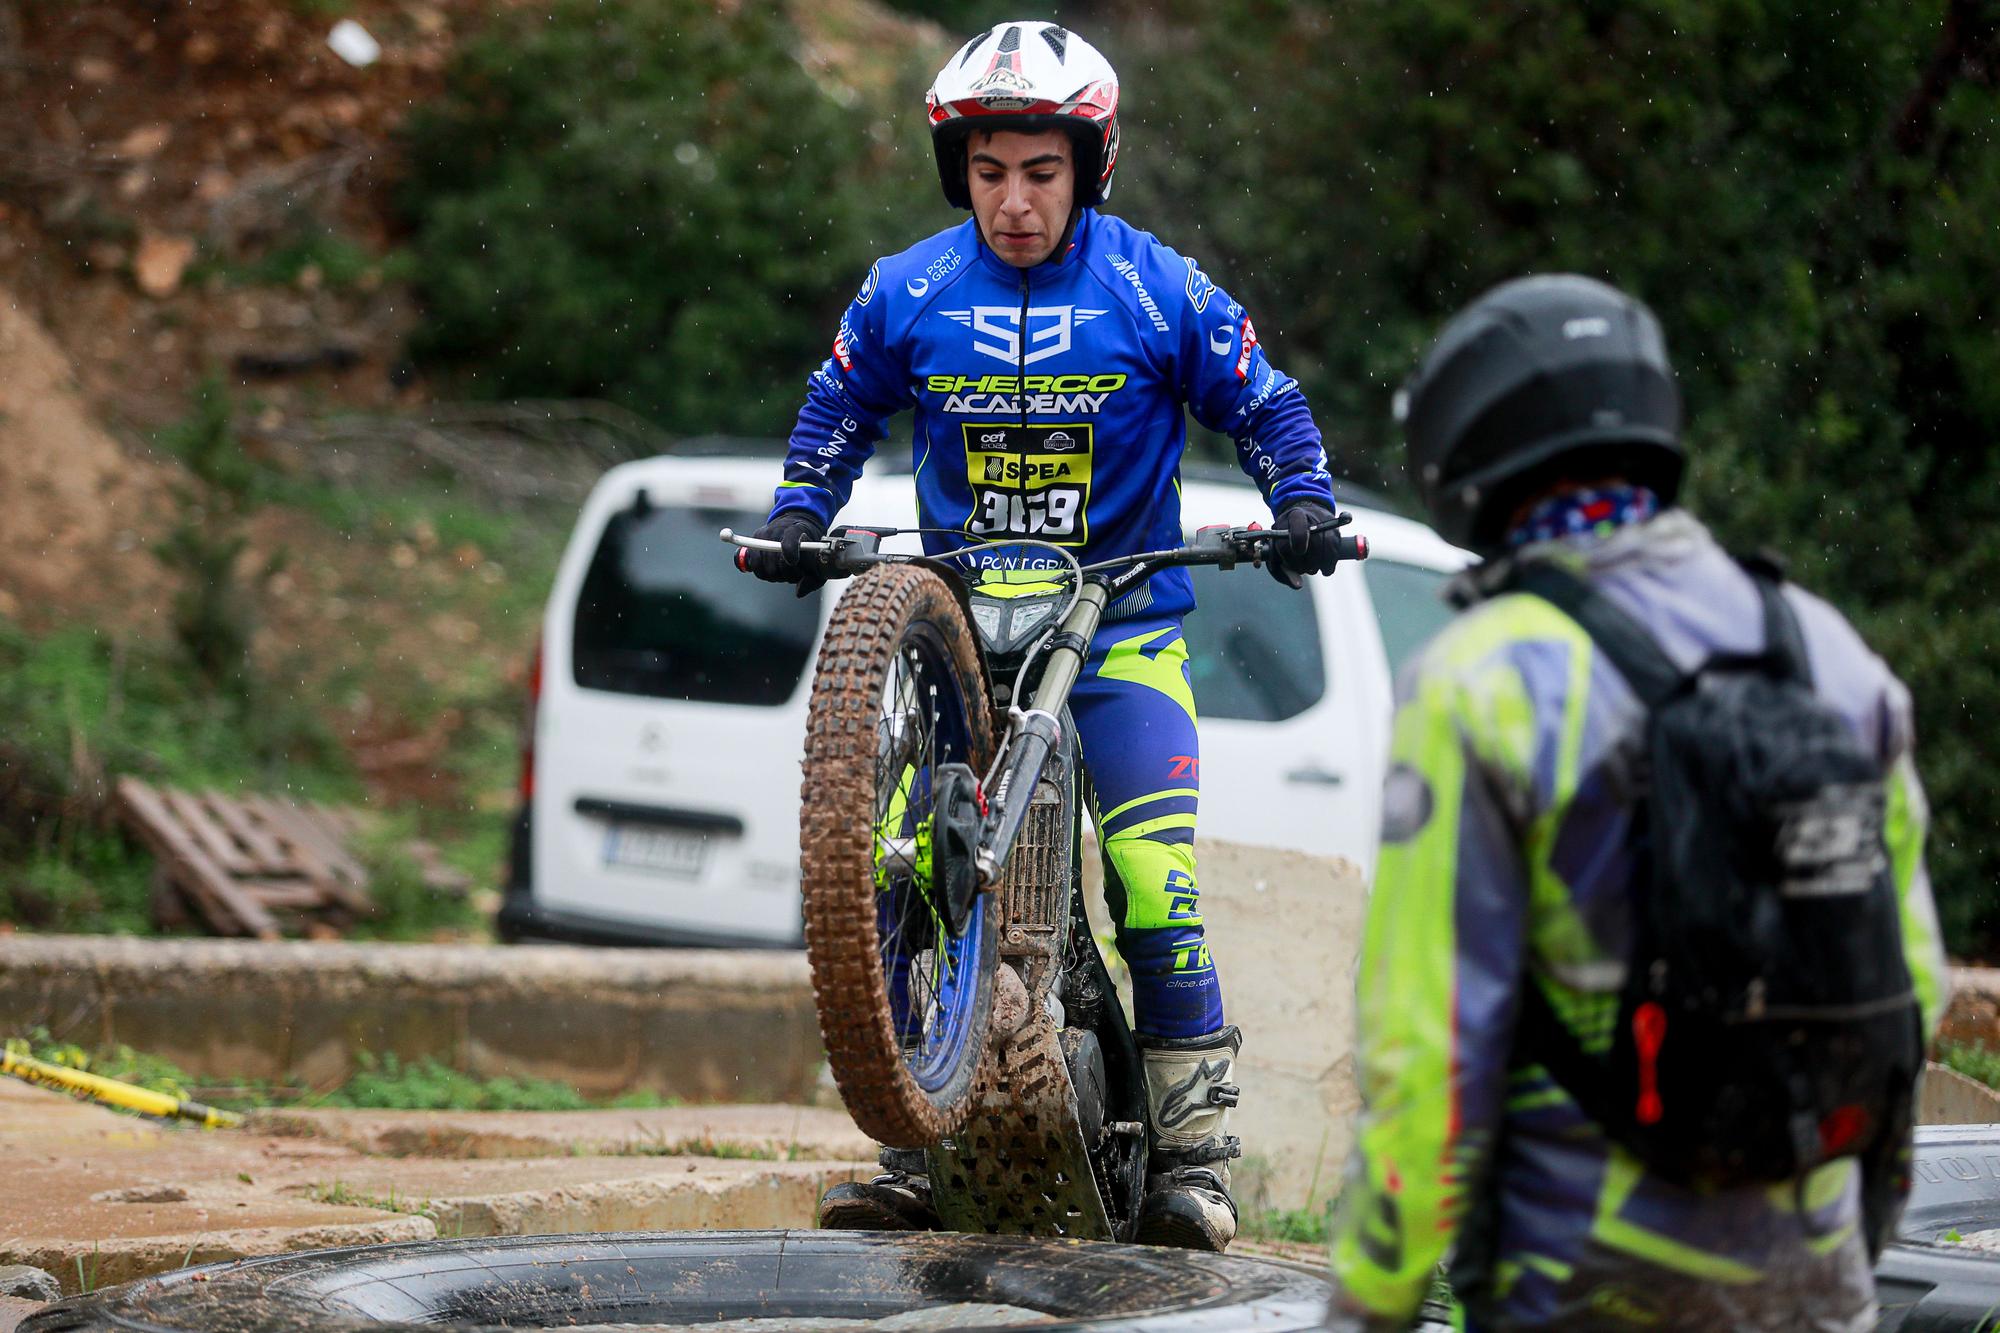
<point x="1027" y="76"/>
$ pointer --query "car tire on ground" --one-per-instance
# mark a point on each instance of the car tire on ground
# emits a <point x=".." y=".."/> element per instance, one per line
<point x="696" y="1278"/>
<point x="1937" y="1277"/>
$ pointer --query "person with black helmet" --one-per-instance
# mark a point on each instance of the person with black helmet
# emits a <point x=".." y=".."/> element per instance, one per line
<point x="1052" y="353"/>
<point x="1522" y="1048"/>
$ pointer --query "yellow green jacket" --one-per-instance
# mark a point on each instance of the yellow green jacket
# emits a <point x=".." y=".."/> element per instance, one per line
<point x="1507" y="855"/>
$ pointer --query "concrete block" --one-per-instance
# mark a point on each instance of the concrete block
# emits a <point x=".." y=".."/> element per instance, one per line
<point x="696" y="1049"/>
<point x="245" y="1033"/>
<point x="1285" y="929"/>
<point x="25" y="1283"/>
<point x="1950" y="1098"/>
<point x="70" y="1004"/>
<point x="585" y="1038"/>
<point x="701" y="1025"/>
<point x="328" y="1030"/>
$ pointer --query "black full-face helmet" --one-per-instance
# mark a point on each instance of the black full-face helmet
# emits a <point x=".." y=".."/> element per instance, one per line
<point x="1543" y="379"/>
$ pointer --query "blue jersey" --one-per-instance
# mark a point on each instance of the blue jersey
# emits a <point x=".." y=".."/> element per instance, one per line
<point x="1049" y="401"/>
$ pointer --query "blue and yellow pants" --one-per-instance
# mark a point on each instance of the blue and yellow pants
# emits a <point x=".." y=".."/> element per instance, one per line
<point x="1135" y="719"/>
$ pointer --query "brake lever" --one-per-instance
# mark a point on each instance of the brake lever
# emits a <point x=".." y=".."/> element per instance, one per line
<point x="1252" y="543"/>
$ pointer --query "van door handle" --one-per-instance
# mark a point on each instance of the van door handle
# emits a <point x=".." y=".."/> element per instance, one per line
<point x="1316" y="776"/>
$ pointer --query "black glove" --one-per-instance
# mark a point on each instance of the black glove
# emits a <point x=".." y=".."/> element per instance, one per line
<point x="1301" y="550"/>
<point x="788" y="565"/>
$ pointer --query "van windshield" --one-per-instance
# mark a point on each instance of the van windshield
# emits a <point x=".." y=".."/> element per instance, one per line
<point x="1409" y="605"/>
<point x="1253" y="648"/>
<point x="665" y="613"/>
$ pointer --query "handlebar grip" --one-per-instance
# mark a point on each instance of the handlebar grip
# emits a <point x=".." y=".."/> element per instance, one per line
<point x="743" y="559"/>
<point x="1354" y="548"/>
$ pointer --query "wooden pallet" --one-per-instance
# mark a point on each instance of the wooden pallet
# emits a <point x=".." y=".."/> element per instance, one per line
<point x="251" y="865"/>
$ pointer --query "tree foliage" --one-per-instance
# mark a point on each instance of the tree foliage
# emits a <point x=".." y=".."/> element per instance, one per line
<point x="649" y="201"/>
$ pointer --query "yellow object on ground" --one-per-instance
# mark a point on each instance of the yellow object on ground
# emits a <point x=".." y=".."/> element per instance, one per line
<point x="111" y="1092"/>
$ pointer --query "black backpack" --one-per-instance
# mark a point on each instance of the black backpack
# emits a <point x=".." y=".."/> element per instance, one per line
<point x="1767" y="1022"/>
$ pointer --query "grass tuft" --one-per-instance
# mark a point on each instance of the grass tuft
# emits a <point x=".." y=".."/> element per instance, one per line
<point x="1975" y="1062"/>
<point x="1298" y="1226"/>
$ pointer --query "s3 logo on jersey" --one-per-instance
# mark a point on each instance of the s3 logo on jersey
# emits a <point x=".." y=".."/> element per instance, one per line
<point x="1050" y="330"/>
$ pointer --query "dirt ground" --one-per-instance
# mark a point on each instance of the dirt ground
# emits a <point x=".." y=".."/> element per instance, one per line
<point x="79" y="511"/>
<point x="95" y="1197"/>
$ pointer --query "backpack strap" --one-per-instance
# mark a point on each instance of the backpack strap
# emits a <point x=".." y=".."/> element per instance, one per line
<point x="1645" y="666"/>
<point x="1784" y="641"/>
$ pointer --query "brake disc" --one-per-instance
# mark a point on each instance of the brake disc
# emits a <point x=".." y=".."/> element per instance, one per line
<point x="954" y="839"/>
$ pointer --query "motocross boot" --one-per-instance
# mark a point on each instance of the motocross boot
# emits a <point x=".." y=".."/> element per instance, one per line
<point x="1188" y="1094"/>
<point x="898" y="1200"/>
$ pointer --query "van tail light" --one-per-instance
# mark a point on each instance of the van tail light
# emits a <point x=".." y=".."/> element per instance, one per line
<point x="528" y="724"/>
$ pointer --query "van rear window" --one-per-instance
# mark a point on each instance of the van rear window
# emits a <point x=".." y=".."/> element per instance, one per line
<point x="665" y="613"/>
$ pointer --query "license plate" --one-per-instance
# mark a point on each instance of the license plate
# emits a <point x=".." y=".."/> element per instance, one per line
<point x="666" y="851"/>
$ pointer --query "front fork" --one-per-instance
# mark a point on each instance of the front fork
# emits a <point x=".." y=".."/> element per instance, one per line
<point x="1037" y="733"/>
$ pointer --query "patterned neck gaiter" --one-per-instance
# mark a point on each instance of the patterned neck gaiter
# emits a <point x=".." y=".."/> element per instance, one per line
<point x="1587" y="511"/>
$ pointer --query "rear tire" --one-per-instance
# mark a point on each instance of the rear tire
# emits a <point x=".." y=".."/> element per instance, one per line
<point x="904" y="1003"/>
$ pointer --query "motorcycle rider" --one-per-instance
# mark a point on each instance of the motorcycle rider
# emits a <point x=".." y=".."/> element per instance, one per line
<point x="1050" y="351"/>
<point x="1544" y="426"/>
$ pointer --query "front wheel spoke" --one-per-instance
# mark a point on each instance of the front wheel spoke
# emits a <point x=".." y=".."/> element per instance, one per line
<point x="918" y="727"/>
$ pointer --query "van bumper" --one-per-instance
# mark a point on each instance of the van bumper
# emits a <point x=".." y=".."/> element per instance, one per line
<point x="522" y="918"/>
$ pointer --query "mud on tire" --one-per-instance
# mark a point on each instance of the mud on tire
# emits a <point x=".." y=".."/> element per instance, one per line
<point x="887" y="614"/>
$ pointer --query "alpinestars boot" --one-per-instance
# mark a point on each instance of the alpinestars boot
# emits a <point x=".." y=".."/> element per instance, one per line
<point x="1189" y="1094"/>
<point x="898" y="1200"/>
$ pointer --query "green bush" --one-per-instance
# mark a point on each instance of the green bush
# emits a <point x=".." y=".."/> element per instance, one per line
<point x="652" y="202"/>
<point x="84" y="707"/>
<point x="409" y="908"/>
<point x="215" y="610"/>
<point x="83" y="704"/>
<point x="1975" y="1062"/>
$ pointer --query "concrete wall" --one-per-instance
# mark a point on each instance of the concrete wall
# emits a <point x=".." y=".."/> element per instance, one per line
<point x="704" y="1026"/>
<point x="1285" y="930"/>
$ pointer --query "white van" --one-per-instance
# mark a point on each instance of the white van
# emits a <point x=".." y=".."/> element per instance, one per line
<point x="661" y="781"/>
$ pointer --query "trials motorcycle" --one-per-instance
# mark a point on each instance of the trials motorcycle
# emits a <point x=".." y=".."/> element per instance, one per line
<point x="965" y="1006"/>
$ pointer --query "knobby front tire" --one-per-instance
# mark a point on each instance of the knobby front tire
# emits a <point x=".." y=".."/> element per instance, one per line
<point x="904" y="1003"/>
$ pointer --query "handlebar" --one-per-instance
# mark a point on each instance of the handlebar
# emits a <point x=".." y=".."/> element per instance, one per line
<point x="1224" y="546"/>
<point x="849" y="550"/>
<point x="846" y="550"/>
